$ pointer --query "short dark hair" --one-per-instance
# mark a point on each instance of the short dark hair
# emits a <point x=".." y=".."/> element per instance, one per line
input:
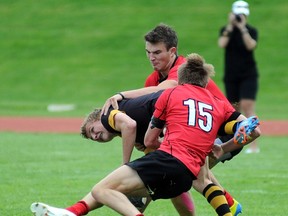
<point x="162" y="33"/>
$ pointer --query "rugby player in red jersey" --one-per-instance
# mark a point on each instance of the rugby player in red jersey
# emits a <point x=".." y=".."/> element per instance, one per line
<point x="171" y="169"/>
<point x="161" y="45"/>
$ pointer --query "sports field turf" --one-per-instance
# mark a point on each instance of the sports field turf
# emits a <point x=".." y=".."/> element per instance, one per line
<point x="81" y="52"/>
<point x="60" y="169"/>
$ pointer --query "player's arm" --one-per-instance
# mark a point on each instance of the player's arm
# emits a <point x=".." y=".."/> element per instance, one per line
<point x="127" y="127"/>
<point x="229" y="146"/>
<point x="230" y="126"/>
<point x="247" y="130"/>
<point x="153" y="132"/>
<point x="136" y="93"/>
<point x="248" y="41"/>
<point x="226" y="33"/>
<point x="233" y="123"/>
<point x="151" y="89"/>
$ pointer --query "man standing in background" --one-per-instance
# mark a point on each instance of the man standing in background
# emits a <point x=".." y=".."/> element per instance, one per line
<point x="239" y="39"/>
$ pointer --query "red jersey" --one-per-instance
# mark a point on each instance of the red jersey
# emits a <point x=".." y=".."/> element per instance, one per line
<point x="214" y="89"/>
<point x="193" y="117"/>
<point x="154" y="79"/>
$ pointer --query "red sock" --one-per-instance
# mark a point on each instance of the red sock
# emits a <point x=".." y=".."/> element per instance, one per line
<point x="79" y="208"/>
<point x="229" y="198"/>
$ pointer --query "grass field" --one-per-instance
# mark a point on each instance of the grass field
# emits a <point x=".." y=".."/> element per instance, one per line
<point x="81" y="52"/>
<point x="59" y="169"/>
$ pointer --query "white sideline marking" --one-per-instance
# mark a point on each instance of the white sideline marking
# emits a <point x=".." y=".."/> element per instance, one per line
<point x="60" y="107"/>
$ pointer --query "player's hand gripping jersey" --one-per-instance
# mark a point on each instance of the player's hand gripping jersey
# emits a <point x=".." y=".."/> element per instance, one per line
<point x="139" y="109"/>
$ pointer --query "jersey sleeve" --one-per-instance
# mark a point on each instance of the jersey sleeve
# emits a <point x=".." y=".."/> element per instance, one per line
<point x="152" y="79"/>
<point x="254" y="34"/>
<point x="160" y="106"/>
<point x="229" y="126"/>
<point x="108" y="121"/>
<point x="221" y="30"/>
<point x="230" y="112"/>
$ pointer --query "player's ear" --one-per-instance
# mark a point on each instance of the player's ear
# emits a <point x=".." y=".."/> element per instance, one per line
<point x="173" y="50"/>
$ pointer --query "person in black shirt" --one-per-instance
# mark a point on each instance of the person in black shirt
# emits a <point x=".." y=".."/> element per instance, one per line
<point x="239" y="39"/>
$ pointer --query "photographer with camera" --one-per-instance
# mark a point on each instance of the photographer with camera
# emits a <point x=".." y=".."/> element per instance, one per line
<point x="239" y="39"/>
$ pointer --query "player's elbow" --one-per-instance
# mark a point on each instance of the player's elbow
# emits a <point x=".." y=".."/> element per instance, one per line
<point x="148" y="142"/>
<point x="251" y="46"/>
<point x="131" y="125"/>
<point x="151" y="142"/>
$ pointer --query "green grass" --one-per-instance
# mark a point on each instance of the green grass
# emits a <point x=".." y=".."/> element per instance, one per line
<point x="59" y="169"/>
<point x="82" y="52"/>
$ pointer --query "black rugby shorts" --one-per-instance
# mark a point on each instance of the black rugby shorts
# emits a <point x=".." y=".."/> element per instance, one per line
<point x="163" y="175"/>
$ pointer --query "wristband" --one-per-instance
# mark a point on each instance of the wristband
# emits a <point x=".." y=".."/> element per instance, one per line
<point x="121" y="95"/>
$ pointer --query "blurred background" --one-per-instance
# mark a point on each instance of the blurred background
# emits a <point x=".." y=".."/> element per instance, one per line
<point x="82" y="52"/>
<point x="79" y="53"/>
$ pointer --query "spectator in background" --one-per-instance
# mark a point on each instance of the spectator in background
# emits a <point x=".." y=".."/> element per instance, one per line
<point x="239" y="39"/>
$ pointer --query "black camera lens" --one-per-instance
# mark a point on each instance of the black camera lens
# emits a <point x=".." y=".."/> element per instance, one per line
<point x="238" y="18"/>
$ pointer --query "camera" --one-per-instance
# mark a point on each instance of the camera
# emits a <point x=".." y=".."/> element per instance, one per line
<point x="238" y="18"/>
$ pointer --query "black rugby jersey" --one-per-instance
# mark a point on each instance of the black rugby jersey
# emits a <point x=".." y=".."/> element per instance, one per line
<point x="139" y="109"/>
